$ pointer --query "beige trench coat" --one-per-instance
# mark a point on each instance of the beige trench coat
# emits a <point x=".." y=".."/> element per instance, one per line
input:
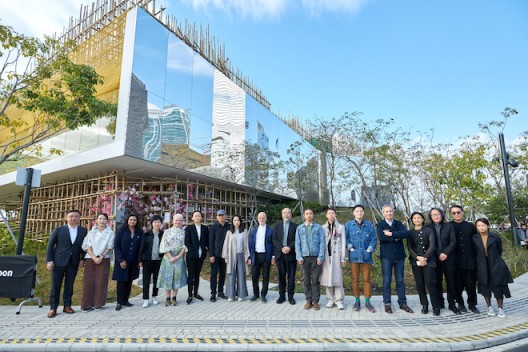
<point x="229" y="251"/>
<point x="332" y="269"/>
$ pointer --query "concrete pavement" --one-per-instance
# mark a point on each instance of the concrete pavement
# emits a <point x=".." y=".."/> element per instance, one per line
<point x="256" y="326"/>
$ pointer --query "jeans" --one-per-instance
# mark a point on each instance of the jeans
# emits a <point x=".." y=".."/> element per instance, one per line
<point x="386" y="269"/>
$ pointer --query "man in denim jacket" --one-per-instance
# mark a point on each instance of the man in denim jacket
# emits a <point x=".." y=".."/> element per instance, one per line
<point x="361" y="243"/>
<point x="310" y="254"/>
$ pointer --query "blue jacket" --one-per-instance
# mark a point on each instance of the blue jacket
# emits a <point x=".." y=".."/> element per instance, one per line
<point x="362" y="239"/>
<point x="317" y="247"/>
<point x="126" y="249"/>
<point x="268" y="243"/>
<point x="392" y="247"/>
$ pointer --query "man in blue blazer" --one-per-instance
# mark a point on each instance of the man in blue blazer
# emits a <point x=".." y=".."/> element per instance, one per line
<point x="261" y="257"/>
<point x="64" y="256"/>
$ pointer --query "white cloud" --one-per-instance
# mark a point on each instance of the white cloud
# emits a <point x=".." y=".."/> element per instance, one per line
<point x="316" y="7"/>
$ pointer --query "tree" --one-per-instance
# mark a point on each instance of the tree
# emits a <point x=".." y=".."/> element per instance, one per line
<point x="43" y="93"/>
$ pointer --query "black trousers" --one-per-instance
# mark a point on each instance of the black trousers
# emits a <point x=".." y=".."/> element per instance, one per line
<point x="218" y="270"/>
<point x="194" y="267"/>
<point x="150" y="269"/>
<point x="466" y="280"/>
<point x="425" y="277"/>
<point x="124" y="287"/>
<point x="447" y="270"/>
<point x="62" y="273"/>
<point x="261" y="265"/>
<point x="286" y="269"/>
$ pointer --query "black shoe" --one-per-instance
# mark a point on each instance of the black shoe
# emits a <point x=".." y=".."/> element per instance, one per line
<point x="119" y="306"/>
<point x="221" y="295"/>
<point x="264" y="299"/>
<point x="406" y="308"/>
<point x="462" y="308"/>
<point x="474" y="309"/>
<point x="213" y="298"/>
<point x="436" y="311"/>
<point x="128" y="304"/>
<point x="254" y="298"/>
<point x="454" y="309"/>
<point x="281" y="300"/>
<point x="292" y="301"/>
<point x="198" y="297"/>
<point x="425" y="309"/>
<point x="189" y="300"/>
<point x="388" y="309"/>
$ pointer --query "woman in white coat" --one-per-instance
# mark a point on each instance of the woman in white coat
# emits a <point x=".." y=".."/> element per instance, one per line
<point x="335" y="259"/>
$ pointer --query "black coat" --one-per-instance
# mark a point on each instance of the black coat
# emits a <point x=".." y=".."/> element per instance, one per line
<point x="278" y="235"/>
<point x="422" y="243"/>
<point x="217" y="234"/>
<point x="192" y="242"/>
<point x="126" y="248"/>
<point x="466" y="252"/>
<point x="147" y="241"/>
<point x="392" y="247"/>
<point x="60" y="248"/>
<point x="493" y="267"/>
<point x="447" y="242"/>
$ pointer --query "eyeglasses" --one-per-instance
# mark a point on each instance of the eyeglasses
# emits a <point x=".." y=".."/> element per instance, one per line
<point x="456" y="212"/>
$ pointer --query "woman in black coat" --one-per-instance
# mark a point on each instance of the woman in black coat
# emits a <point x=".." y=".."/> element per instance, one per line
<point x="150" y="259"/>
<point x="126" y="262"/>
<point x="493" y="275"/>
<point x="421" y="245"/>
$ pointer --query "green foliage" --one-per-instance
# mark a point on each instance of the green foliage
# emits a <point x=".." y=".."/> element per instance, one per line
<point x="58" y="94"/>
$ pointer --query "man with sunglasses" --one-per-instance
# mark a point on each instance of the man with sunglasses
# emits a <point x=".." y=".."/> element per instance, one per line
<point x="466" y="277"/>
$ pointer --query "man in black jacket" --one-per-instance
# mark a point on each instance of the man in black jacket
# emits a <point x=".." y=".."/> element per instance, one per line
<point x="284" y="243"/>
<point x="64" y="256"/>
<point x="217" y="234"/>
<point x="391" y="233"/>
<point x="197" y="242"/>
<point x="466" y="275"/>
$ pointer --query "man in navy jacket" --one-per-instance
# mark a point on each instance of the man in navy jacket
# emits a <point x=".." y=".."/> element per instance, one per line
<point x="391" y="233"/>
<point x="261" y="256"/>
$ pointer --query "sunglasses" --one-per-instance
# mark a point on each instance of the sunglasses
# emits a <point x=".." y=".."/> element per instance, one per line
<point x="456" y="212"/>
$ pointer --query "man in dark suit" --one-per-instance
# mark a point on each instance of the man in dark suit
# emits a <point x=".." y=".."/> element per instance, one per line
<point x="260" y="245"/>
<point x="284" y="242"/>
<point x="197" y="242"/>
<point x="217" y="234"/>
<point x="64" y="256"/>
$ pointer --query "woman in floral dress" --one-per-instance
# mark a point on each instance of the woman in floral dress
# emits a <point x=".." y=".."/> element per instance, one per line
<point x="173" y="273"/>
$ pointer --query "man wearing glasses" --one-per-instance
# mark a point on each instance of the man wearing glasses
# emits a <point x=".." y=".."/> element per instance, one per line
<point x="466" y="277"/>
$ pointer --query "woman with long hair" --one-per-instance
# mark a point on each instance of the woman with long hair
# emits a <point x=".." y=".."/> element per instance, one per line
<point x="493" y="275"/>
<point x="235" y="251"/>
<point x="126" y="261"/>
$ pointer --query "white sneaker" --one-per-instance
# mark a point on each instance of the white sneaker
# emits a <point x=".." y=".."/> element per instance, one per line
<point x="240" y="299"/>
<point x="145" y="303"/>
<point x="501" y="313"/>
<point x="154" y="300"/>
<point x="340" y="306"/>
<point x="491" y="312"/>
<point x="230" y="299"/>
<point x="329" y="304"/>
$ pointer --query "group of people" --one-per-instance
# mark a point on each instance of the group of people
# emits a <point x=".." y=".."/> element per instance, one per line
<point x="458" y="251"/>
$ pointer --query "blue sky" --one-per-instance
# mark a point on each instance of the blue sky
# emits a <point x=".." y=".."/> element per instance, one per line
<point x="444" y="65"/>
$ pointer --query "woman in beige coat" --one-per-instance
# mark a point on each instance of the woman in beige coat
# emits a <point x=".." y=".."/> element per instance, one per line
<point x="335" y="259"/>
<point x="235" y="252"/>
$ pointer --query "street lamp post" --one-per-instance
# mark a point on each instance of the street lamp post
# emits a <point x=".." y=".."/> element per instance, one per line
<point x="506" y="160"/>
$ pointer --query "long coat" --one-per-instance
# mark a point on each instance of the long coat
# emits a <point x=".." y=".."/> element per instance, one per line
<point x="126" y="249"/>
<point x="332" y="270"/>
<point x="495" y="265"/>
<point x="229" y="251"/>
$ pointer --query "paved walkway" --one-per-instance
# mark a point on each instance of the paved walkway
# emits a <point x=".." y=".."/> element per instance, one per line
<point x="255" y="326"/>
